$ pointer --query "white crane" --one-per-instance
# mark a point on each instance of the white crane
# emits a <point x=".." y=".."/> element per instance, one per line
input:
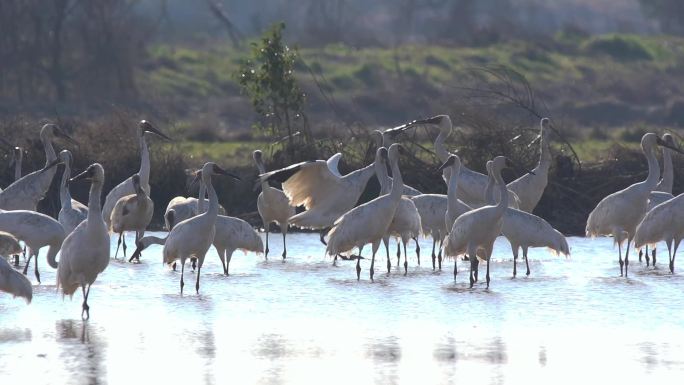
<point x="25" y="193"/>
<point x="126" y="187"/>
<point x="132" y="213"/>
<point x="406" y="221"/>
<point x="321" y="189"/>
<point x="477" y="230"/>
<point x="662" y="191"/>
<point x="273" y="205"/>
<point x="530" y="187"/>
<point x="36" y="230"/>
<point x="523" y="229"/>
<point x="663" y="223"/>
<point x="72" y="211"/>
<point x="368" y="223"/>
<point x="231" y="234"/>
<point x="12" y="281"/>
<point x="619" y="213"/>
<point x="386" y="139"/>
<point x="193" y="237"/>
<point x="181" y="208"/>
<point x="472" y="184"/>
<point x="85" y="252"/>
<point x="431" y="208"/>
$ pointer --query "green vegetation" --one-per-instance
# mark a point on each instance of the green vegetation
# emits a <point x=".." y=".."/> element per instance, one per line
<point x="206" y="72"/>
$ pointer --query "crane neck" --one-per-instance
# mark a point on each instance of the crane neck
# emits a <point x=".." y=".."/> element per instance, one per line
<point x="503" y="203"/>
<point x="144" y="171"/>
<point x="94" y="206"/>
<point x="17" y="167"/>
<point x="212" y="212"/>
<point x="440" y="148"/>
<point x="489" y="191"/>
<point x="544" y="155"/>
<point x="668" y="177"/>
<point x="50" y="154"/>
<point x="383" y="177"/>
<point x="653" y="170"/>
<point x="397" y="181"/>
<point x="64" y="194"/>
<point x="452" y="187"/>
<point x="201" y="198"/>
<point x="152" y="240"/>
<point x="262" y="170"/>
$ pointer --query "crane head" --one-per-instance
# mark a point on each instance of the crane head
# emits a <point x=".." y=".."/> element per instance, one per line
<point x="146" y="126"/>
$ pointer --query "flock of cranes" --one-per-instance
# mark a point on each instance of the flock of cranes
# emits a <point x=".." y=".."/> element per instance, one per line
<point x="465" y="222"/>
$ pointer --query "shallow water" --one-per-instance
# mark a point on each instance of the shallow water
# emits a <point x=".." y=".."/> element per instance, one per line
<point x="305" y="321"/>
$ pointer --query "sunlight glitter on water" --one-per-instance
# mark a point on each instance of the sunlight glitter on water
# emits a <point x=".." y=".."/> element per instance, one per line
<point x="305" y="321"/>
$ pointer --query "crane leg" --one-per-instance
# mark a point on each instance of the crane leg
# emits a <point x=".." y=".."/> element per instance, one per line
<point x="194" y="263"/>
<point x="434" y="241"/>
<point x="620" y="258"/>
<point x="653" y="254"/>
<point x="28" y="261"/>
<point x="284" y="246"/>
<point x="222" y="257"/>
<point x="515" y="262"/>
<point x="473" y="268"/>
<point x="124" y="244"/>
<point x="118" y="244"/>
<point x="228" y="258"/>
<point x="389" y="264"/>
<point x="415" y="239"/>
<point x="398" y="253"/>
<point x="648" y="258"/>
<point x="16" y="260"/>
<point x="372" y="271"/>
<point x="358" y="269"/>
<point x="322" y="236"/>
<point x="455" y="268"/>
<point x="182" y="270"/>
<point x="488" y="260"/>
<point x="199" y="268"/>
<point x="174" y="266"/>
<point x="527" y="263"/>
<point x="35" y="267"/>
<point x="439" y="255"/>
<point x="641" y="253"/>
<point x="85" y="307"/>
<point x="629" y="240"/>
<point x="266" y="251"/>
<point x="405" y="261"/>
<point x="477" y="269"/>
<point x="672" y="262"/>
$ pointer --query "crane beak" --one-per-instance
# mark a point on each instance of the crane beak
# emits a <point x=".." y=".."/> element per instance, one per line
<point x="196" y="179"/>
<point x="50" y="165"/>
<point x="446" y="164"/>
<point x="535" y="140"/>
<point x="219" y="171"/>
<point x="84" y="175"/>
<point x="672" y="147"/>
<point x="66" y="137"/>
<point x="150" y="128"/>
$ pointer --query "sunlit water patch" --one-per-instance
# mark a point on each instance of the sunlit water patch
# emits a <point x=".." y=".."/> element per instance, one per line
<point x="303" y="320"/>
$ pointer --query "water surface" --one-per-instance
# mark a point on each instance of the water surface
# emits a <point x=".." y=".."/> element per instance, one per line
<point x="305" y="321"/>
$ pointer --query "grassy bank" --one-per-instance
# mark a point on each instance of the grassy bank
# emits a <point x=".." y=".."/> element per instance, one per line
<point x="607" y="81"/>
